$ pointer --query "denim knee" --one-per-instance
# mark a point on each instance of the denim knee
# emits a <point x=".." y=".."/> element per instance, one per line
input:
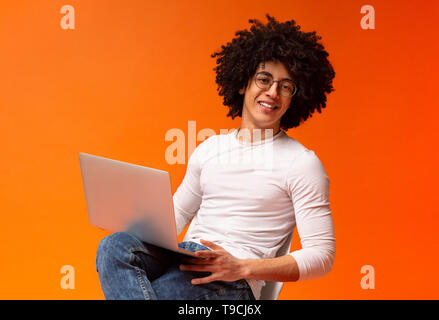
<point x="117" y="244"/>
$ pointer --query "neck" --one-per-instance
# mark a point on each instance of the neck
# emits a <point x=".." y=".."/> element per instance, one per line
<point x="254" y="134"/>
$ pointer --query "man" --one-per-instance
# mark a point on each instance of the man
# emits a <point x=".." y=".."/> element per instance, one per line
<point x="274" y="77"/>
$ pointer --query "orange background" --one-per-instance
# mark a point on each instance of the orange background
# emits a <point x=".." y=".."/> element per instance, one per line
<point x="132" y="70"/>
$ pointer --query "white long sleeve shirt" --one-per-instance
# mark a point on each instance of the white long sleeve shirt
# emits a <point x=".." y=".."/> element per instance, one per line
<point x="248" y="197"/>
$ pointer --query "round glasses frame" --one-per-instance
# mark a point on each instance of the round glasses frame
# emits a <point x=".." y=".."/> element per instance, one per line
<point x="268" y="85"/>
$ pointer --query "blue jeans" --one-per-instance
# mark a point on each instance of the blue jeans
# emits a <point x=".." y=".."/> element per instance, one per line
<point x="130" y="269"/>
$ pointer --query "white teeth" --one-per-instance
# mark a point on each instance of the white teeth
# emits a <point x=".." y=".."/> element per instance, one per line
<point x="266" y="105"/>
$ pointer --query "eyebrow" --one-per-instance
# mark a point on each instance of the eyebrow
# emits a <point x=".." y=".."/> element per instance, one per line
<point x="269" y="74"/>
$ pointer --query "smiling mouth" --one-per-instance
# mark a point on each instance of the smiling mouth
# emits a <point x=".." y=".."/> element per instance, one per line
<point x="267" y="106"/>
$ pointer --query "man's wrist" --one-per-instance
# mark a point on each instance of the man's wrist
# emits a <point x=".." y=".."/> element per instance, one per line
<point x="246" y="268"/>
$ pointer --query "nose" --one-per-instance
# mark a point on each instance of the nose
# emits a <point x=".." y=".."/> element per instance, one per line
<point x="273" y="90"/>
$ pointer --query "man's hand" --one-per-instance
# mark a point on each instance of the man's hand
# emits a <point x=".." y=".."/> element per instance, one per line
<point x="221" y="264"/>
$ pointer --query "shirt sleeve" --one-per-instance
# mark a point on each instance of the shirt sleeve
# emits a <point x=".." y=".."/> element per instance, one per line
<point x="187" y="198"/>
<point x="308" y="185"/>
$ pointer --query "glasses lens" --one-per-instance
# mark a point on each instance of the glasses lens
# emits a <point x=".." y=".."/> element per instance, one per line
<point x="286" y="88"/>
<point x="264" y="81"/>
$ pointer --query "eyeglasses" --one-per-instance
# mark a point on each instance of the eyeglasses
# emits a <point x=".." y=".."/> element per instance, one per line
<point x="265" y="81"/>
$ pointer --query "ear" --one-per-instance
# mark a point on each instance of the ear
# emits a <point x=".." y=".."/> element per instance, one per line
<point x="242" y="91"/>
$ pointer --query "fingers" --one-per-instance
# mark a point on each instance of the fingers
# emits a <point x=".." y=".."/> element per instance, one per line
<point x="204" y="261"/>
<point x="206" y="254"/>
<point x="210" y="244"/>
<point x="196" y="267"/>
<point x="207" y="279"/>
<point x="197" y="261"/>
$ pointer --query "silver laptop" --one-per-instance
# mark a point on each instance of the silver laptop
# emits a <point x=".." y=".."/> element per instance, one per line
<point x="126" y="197"/>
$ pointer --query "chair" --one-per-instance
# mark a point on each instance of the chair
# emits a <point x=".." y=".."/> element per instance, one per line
<point x="272" y="289"/>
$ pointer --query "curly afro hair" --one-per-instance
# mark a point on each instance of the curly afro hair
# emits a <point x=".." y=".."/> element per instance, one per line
<point x="301" y="53"/>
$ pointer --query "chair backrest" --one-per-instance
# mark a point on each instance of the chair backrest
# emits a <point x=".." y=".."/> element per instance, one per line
<point x="272" y="289"/>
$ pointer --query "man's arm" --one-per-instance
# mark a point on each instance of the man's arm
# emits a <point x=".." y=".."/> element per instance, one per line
<point x="280" y="269"/>
<point x="224" y="266"/>
<point x="187" y="198"/>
